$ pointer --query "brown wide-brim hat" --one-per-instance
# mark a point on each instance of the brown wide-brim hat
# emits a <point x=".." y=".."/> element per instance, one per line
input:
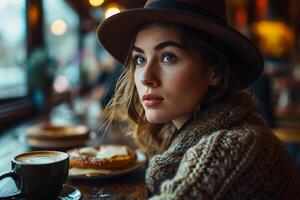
<point x="117" y="32"/>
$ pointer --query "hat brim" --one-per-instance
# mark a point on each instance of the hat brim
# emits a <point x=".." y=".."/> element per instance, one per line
<point x="117" y="32"/>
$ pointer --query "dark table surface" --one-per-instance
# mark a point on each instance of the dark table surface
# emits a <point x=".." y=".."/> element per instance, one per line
<point x="127" y="186"/>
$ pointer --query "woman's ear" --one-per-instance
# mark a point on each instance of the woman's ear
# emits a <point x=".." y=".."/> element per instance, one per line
<point x="212" y="76"/>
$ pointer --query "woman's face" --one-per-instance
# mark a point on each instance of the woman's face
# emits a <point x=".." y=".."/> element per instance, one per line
<point x="169" y="78"/>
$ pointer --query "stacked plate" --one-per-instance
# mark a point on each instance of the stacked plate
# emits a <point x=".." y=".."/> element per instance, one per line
<point x="57" y="136"/>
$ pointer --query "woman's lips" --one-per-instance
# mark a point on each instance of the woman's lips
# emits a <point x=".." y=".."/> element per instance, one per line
<point x="151" y="100"/>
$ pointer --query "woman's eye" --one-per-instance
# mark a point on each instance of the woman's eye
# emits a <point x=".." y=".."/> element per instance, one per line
<point x="169" y="58"/>
<point x="139" y="60"/>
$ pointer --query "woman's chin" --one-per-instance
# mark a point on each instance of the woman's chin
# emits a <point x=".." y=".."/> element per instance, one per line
<point x="156" y="119"/>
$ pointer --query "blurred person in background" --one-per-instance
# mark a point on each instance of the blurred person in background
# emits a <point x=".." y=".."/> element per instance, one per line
<point x="262" y="91"/>
<point x="106" y="81"/>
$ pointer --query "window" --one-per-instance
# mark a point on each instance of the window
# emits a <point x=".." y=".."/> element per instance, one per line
<point x="91" y="51"/>
<point x="62" y="40"/>
<point x="13" y="78"/>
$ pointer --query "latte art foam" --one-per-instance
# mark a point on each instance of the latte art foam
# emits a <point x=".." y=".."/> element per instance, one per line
<point x="39" y="158"/>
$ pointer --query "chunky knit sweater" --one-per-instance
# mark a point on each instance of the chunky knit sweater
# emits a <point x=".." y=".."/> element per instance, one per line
<point x="226" y="153"/>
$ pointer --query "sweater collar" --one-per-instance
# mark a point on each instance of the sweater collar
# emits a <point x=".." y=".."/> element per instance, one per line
<point x="220" y="116"/>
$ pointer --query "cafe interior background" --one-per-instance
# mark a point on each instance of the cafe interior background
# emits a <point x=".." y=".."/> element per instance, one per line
<point x="52" y="66"/>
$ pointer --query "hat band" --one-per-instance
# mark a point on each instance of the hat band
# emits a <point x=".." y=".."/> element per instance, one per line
<point x="185" y="7"/>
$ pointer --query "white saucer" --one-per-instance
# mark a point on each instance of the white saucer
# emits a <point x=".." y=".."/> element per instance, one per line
<point x="70" y="193"/>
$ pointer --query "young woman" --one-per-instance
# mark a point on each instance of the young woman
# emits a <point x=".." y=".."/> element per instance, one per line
<point x="181" y="87"/>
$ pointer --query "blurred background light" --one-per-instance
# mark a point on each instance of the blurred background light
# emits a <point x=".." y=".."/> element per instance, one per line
<point x="13" y="26"/>
<point x="112" y="9"/>
<point x="61" y="84"/>
<point x="10" y="33"/>
<point x="96" y="3"/>
<point x="59" y="27"/>
<point x="275" y="38"/>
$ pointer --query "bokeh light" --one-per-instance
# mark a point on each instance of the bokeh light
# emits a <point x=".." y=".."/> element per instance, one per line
<point x="59" y="27"/>
<point x="96" y="3"/>
<point x="112" y="10"/>
<point x="61" y="84"/>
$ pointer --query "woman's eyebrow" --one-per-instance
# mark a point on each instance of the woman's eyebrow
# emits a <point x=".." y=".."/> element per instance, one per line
<point x="137" y="49"/>
<point x="160" y="46"/>
<point x="168" y="43"/>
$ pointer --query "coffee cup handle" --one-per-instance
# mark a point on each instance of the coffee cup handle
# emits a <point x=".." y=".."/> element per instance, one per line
<point x="15" y="177"/>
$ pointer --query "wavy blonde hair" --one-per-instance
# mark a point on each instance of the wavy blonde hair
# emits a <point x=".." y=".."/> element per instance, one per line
<point x="154" y="138"/>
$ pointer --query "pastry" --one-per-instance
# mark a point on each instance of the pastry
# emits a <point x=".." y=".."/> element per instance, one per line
<point x="102" y="157"/>
<point x="48" y="135"/>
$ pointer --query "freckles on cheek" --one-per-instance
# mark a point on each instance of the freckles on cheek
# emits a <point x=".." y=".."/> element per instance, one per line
<point x="182" y="83"/>
<point x="138" y="89"/>
<point x="135" y="76"/>
<point x="137" y="86"/>
<point x="185" y="85"/>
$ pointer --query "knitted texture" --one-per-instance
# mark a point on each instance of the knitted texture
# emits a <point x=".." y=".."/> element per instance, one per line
<point x="226" y="153"/>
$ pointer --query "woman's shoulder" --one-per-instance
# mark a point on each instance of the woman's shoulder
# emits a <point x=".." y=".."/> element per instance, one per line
<point x="247" y="157"/>
<point x="242" y="139"/>
<point x="234" y="142"/>
<point x="251" y="128"/>
<point x="243" y="145"/>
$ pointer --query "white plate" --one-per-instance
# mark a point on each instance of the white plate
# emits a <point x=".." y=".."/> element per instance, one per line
<point x="140" y="162"/>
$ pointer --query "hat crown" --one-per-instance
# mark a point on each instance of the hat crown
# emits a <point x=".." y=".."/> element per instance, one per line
<point x="215" y="7"/>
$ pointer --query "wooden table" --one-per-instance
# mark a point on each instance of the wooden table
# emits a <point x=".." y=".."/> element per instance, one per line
<point x="129" y="186"/>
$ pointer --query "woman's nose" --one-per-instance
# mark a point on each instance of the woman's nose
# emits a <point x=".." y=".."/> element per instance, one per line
<point x="150" y="77"/>
<point x="149" y="83"/>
